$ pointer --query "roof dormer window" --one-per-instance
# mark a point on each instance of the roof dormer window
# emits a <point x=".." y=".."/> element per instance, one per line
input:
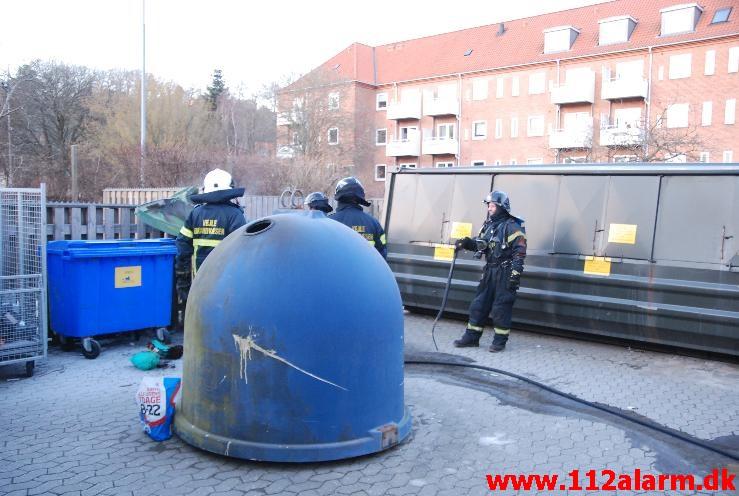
<point x="559" y="39"/>
<point x="615" y="30"/>
<point x="680" y="18"/>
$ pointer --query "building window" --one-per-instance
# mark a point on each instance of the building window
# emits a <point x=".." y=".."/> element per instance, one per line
<point x="407" y="166"/>
<point x="333" y="136"/>
<point x="498" y="128"/>
<point x="710" y="65"/>
<point x="444" y="165"/>
<point x="296" y="139"/>
<point x="706" y="114"/>
<point x="333" y="101"/>
<point x="535" y="125"/>
<point x="479" y="130"/>
<point x="380" y="171"/>
<point x="680" y="66"/>
<point x="513" y="161"/>
<point x="559" y="39"/>
<point x="615" y="30"/>
<point x="730" y="111"/>
<point x="619" y="159"/>
<point x="721" y="15"/>
<point x="381" y="101"/>
<point x="677" y="115"/>
<point x="734" y="59"/>
<point x="408" y="133"/>
<point x="705" y="157"/>
<point x="728" y="156"/>
<point x="479" y="89"/>
<point x="574" y="160"/>
<point x="515" y="90"/>
<point x="498" y="162"/>
<point x="499" y="87"/>
<point x="445" y="131"/>
<point x="478" y="163"/>
<point x="381" y="136"/>
<point x="679" y="19"/>
<point x="537" y="83"/>
<point x="534" y="161"/>
<point x="514" y="127"/>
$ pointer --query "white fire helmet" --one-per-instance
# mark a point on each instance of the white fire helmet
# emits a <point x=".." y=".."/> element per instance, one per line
<point x="216" y="180"/>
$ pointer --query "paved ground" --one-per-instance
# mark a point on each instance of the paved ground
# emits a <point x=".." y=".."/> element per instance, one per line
<point x="72" y="428"/>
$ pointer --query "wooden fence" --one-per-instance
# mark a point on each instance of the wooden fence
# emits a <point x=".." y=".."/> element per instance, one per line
<point x="136" y="196"/>
<point x="119" y="221"/>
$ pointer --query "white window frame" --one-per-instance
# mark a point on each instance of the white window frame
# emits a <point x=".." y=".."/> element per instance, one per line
<point x="499" y="87"/>
<point x="581" y="159"/>
<point x="409" y="130"/>
<point x="730" y="111"/>
<point x="707" y="114"/>
<point x="442" y="165"/>
<point x="532" y="132"/>
<point x="476" y="136"/>
<point x="728" y="156"/>
<point x="513" y="161"/>
<point x="328" y="136"/>
<point x="733" y="64"/>
<point x="514" y="127"/>
<point x="334" y="100"/>
<point x="537" y="83"/>
<point x="535" y="161"/>
<point x="671" y="23"/>
<point x="381" y="98"/>
<point x="480" y="89"/>
<point x="379" y="167"/>
<point x="709" y="68"/>
<point x="677" y="115"/>
<point x="704" y="157"/>
<point x="411" y="165"/>
<point x="449" y="133"/>
<point x="619" y="159"/>
<point x="478" y="163"/>
<point x="377" y="132"/>
<point x="680" y="66"/>
<point x="498" y="128"/>
<point x="515" y="86"/>
<point x="498" y="162"/>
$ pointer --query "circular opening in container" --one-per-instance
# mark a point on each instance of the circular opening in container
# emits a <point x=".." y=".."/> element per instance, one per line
<point x="258" y="226"/>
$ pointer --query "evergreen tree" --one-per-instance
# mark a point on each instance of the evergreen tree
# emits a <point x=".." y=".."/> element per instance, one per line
<point x="216" y="88"/>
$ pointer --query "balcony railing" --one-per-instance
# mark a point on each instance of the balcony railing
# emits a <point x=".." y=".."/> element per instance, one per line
<point x="580" y="91"/>
<point x="624" y="87"/>
<point x="440" y="146"/>
<point x="611" y="135"/>
<point x="410" y="147"/>
<point x="580" y="136"/>
<point x="409" y="108"/>
<point x="441" y="105"/>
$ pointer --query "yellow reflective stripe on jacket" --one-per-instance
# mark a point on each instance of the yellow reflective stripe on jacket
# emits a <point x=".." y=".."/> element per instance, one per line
<point x="186" y="232"/>
<point x="515" y="235"/>
<point x="383" y="240"/>
<point x="206" y="242"/>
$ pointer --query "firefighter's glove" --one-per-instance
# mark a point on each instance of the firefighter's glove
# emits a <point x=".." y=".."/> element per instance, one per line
<point x="465" y="244"/>
<point x="514" y="282"/>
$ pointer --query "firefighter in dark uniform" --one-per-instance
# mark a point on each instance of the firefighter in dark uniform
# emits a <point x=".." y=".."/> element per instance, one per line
<point x="214" y="217"/>
<point x="318" y="201"/>
<point x="350" y="198"/>
<point x="502" y="240"/>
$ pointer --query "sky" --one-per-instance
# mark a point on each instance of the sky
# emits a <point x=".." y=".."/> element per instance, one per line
<point x="252" y="42"/>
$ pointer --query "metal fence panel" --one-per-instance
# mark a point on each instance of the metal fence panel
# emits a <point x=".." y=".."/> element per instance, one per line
<point x="22" y="278"/>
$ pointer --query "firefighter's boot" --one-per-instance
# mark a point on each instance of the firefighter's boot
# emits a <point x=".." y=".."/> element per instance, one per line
<point x="469" y="339"/>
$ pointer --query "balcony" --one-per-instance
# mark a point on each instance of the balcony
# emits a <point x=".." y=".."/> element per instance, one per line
<point x="624" y="87"/>
<point x="440" y="146"/>
<point x="410" y="147"/>
<point x="620" y="135"/>
<point x="580" y="136"/>
<point x="580" y="91"/>
<point x="440" y="105"/>
<point x="409" y="108"/>
<point x="285" y="151"/>
<point x="283" y="119"/>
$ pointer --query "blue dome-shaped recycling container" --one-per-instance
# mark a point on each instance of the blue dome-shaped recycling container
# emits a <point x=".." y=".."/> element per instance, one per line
<point x="293" y="346"/>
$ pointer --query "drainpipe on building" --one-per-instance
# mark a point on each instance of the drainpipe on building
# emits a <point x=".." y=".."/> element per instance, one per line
<point x="557" y="117"/>
<point x="459" y="119"/>
<point x="647" y="121"/>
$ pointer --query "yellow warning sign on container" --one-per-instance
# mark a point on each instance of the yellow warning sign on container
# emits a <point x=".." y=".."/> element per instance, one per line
<point x="444" y="252"/>
<point x="597" y="266"/>
<point x="461" y="230"/>
<point x="622" y="233"/>
<point x="128" y="277"/>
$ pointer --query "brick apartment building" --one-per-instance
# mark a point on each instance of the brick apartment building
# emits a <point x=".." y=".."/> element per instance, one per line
<point x="649" y="80"/>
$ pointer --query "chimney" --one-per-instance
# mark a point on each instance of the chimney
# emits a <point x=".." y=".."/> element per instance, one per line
<point x="501" y="29"/>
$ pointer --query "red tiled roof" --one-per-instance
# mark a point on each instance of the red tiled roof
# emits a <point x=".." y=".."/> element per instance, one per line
<point x="521" y="43"/>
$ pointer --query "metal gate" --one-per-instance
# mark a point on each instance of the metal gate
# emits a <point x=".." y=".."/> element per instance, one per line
<point x="23" y="276"/>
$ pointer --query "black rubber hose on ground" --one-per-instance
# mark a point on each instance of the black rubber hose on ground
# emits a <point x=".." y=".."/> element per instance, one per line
<point x="576" y="399"/>
<point x="443" y="300"/>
